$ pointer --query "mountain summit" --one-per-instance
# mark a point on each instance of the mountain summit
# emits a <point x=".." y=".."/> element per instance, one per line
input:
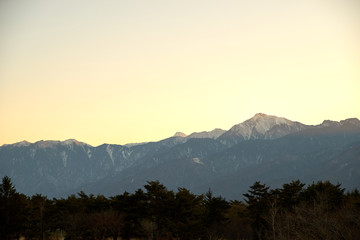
<point x="214" y="134"/>
<point x="261" y="126"/>
<point x="180" y="134"/>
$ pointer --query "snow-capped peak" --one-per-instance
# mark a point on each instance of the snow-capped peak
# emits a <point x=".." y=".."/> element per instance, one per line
<point x="263" y="123"/>
<point x="19" y="144"/>
<point x="180" y="134"/>
<point x="70" y="142"/>
<point x="52" y="143"/>
<point x="263" y="126"/>
<point x="217" y="132"/>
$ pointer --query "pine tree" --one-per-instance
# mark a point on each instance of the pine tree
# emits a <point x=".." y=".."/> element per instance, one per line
<point x="161" y="202"/>
<point x="187" y="215"/>
<point x="215" y="218"/>
<point x="13" y="210"/>
<point x="257" y="199"/>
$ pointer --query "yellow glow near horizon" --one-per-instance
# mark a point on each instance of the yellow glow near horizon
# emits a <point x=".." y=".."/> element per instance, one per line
<point x="121" y="72"/>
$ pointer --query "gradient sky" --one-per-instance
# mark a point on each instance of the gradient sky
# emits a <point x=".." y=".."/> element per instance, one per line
<point x="134" y="71"/>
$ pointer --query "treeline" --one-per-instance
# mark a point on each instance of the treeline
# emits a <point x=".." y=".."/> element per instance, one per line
<point x="321" y="210"/>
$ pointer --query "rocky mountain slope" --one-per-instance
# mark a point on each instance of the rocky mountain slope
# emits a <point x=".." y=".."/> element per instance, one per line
<point x="261" y="126"/>
<point x="267" y="148"/>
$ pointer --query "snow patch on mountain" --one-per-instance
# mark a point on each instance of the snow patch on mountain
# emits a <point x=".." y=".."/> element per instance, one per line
<point x="64" y="157"/>
<point x="89" y="153"/>
<point x="197" y="160"/>
<point x="32" y="153"/>
<point x="109" y="150"/>
<point x="262" y="126"/>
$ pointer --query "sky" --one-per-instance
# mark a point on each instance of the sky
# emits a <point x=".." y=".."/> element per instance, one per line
<point x="136" y="71"/>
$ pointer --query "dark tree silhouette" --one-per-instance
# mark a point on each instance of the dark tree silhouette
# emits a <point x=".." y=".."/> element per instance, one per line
<point x="161" y="202"/>
<point x="13" y="211"/>
<point x="188" y="214"/>
<point x="257" y="199"/>
<point x="215" y="219"/>
<point x="320" y="211"/>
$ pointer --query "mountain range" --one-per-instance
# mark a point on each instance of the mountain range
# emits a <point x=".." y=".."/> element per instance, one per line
<point x="264" y="148"/>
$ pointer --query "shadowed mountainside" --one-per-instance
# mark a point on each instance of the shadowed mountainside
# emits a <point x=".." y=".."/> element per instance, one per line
<point x="267" y="148"/>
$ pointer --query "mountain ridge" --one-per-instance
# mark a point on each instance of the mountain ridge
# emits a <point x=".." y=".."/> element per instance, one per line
<point x="263" y="145"/>
<point x="256" y="127"/>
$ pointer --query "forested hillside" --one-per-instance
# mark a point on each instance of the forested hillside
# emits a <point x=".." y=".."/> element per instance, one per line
<point x="321" y="210"/>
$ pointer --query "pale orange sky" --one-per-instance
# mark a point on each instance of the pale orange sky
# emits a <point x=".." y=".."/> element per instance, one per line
<point x="134" y="71"/>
